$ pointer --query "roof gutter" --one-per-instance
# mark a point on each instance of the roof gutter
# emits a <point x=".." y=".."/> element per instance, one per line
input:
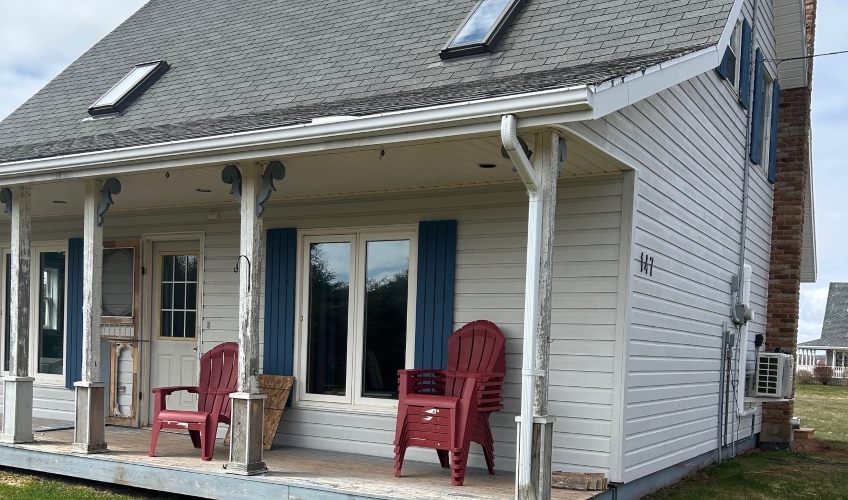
<point x="467" y="118"/>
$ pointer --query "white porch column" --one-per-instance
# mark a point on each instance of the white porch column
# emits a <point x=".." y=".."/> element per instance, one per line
<point x="17" y="387"/>
<point x="90" y="418"/>
<point x="248" y="405"/>
<point x="547" y="163"/>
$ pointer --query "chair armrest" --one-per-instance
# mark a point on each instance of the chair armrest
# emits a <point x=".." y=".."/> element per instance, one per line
<point x="169" y="390"/>
<point x="160" y="396"/>
<point x="427" y="381"/>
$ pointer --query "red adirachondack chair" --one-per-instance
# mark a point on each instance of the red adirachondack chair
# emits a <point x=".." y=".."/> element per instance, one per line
<point x="218" y="374"/>
<point x="448" y="409"/>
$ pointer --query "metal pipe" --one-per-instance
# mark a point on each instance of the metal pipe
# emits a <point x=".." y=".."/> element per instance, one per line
<point x="513" y="148"/>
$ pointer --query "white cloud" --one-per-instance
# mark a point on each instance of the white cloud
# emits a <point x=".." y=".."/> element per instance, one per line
<point x="812" y="306"/>
<point x="39" y="38"/>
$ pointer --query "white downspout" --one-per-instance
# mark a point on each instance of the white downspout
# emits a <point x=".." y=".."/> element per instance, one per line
<point x="509" y="137"/>
<point x="742" y="351"/>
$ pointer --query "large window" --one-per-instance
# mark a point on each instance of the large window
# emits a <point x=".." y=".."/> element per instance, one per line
<point x="47" y="312"/>
<point x="51" y="313"/>
<point x="357" y="316"/>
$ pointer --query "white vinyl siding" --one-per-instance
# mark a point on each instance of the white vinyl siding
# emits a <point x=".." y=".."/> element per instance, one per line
<point x="491" y="253"/>
<point x="687" y="144"/>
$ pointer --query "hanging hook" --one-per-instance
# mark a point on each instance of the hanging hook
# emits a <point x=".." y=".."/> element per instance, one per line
<point x="236" y="269"/>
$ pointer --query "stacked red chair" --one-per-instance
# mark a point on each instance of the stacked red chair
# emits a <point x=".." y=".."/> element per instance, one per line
<point x="218" y="379"/>
<point x="448" y="409"/>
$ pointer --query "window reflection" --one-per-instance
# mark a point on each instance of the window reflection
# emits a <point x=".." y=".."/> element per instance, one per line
<point x="480" y="22"/>
<point x="386" y="295"/>
<point x="329" y="292"/>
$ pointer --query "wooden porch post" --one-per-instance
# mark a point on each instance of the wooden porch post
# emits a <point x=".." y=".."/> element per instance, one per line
<point x="547" y="165"/>
<point x="17" y="387"/>
<point x="90" y="417"/>
<point x="248" y="405"/>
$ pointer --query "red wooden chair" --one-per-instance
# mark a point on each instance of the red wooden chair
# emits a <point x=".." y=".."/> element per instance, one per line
<point x="218" y="373"/>
<point x="448" y="409"/>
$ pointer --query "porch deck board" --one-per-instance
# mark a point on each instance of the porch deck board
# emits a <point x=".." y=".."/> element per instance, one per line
<point x="294" y="472"/>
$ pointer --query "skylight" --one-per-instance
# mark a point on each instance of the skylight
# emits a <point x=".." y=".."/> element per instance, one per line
<point x="130" y="87"/>
<point x="483" y="28"/>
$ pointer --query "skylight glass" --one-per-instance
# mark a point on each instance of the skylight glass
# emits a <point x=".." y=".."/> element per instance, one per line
<point x="128" y="88"/>
<point x="480" y="22"/>
<point x="483" y="28"/>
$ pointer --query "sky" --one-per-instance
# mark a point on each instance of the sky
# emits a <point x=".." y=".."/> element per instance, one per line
<point x="39" y="38"/>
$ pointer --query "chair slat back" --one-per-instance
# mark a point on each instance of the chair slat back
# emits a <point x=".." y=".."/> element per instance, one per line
<point x="218" y="371"/>
<point x="477" y="347"/>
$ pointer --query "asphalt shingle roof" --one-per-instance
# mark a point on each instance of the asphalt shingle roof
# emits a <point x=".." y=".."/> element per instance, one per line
<point x="256" y="64"/>
<point x="835" y="326"/>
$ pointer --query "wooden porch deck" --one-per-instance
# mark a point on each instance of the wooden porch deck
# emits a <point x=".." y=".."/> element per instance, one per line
<point x="295" y="473"/>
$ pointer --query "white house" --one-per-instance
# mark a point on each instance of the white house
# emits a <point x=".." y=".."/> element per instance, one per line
<point x="605" y="166"/>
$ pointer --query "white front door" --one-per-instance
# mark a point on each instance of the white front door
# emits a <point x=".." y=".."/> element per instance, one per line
<point x="174" y="320"/>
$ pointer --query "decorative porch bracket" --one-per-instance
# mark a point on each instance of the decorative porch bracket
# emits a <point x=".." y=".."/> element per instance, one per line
<point x="17" y="387"/>
<point x="6" y="199"/>
<point x="274" y="170"/>
<point x="111" y="187"/>
<point x="231" y="175"/>
<point x="90" y="417"/>
<point x="248" y="405"/>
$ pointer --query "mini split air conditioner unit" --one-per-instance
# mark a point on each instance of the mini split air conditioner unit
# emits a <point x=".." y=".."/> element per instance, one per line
<point x="774" y="375"/>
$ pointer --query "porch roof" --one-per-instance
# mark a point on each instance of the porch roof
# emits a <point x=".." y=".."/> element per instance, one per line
<point x="293" y="472"/>
<point x="255" y="65"/>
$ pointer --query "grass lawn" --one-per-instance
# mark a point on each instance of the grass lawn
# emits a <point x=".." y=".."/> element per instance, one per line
<point x="818" y="470"/>
<point x="825" y="409"/>
<point x="22" y="485"/>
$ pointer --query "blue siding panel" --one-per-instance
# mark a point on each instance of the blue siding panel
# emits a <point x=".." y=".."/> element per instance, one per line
<point x="775" y="105"/>
<point x="73" y="354"/>
<point x="435" y="299"/>
<point x="280" y="268"/>
<point x="745" y="65"/>
<point x="756" y="150"/>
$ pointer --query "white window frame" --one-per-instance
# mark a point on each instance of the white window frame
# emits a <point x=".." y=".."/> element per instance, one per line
<point x="35" y="291"/>
<point x="358" y="238"/>
<point x="768" y="96"/>
<point x="736" y="48"/>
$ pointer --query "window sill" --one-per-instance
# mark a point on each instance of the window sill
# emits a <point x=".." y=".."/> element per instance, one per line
<point x="382" y="411"/>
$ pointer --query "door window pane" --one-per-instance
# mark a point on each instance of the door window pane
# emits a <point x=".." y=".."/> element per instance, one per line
<point x="178" y="298"/>
<point x="51" y="313"/>
<point x="386" y="296"/>
<point x="329" y="294"/>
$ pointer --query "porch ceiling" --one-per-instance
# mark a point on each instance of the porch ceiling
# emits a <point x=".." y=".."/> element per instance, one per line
<point x="397" y="168"/>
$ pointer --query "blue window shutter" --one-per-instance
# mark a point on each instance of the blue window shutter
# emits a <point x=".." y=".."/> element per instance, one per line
<point x="73" y="359"/>
<point x="725" y="69"/>
<point x="744" y="65"/>
<point x="775" y="105"/>
<point x="755" y="146"/>
<point x="280" y="271"/>
<point x="435" y="292"/>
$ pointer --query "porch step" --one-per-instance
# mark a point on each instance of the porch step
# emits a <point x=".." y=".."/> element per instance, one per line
<point x="804" y="433"/>
<point x="592" y="481"/>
